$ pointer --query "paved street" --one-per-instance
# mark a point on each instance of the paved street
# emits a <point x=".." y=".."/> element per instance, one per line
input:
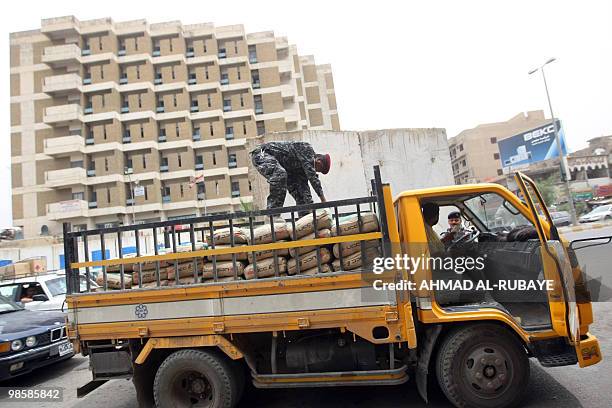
<point x="556" y="387"/>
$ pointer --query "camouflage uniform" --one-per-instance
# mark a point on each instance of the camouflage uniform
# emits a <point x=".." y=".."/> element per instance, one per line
<point x="287" y="166"/>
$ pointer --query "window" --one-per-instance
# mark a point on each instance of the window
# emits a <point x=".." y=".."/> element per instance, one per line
<point x="199" y="162"/>
<point x="194" y="105"/>
<point x="242" y="102"/>
<point x="238" y="73"/>
<point x="217" y="187"/>
<point x="224" y="78"/>
<point x="229" y="132"/>
<point x="496" y="156"/>
<point x="108" y="195"/>
<point x="158" y="77"/>
<point x="141" y="131"/>
<point x="214" y="159"/>
<point x="136" y="43"/>
<point x="201" y="188"/>
<point x="461" y="147"/>
<point x="231" y="162"/>
<point x="174" y="100"/>
<point x="493" y="140"/>
<point x="252" y="54"/>
<point x="500" y="172"/>
<point x="250" y="186"/>
<point x="255" y="78"/>
<point x="129" y="164"/>
<point x="162" y="131"/>
<point x="227" y="104"/>
<point x="210" y="128"/>
<point x="258" y="104"/>
<point x="156" y="48"/>
<point x="144" y="161"/>
<point x="103" y="98"/>
<point x="222" y="52"/>
<point x="244" y="128"/>
<point x="172" y="70"/>
<point x="261" y="127"/>
<point x="105" y="164"/>
<point x="170" y="43"/>
<point x="192" y="78"/>
<point x="101" y="71"/>
<point x="208" y="100"/>
<point x="236" y="48"/>
<point x="104" y="127"/>
<point x="206" y="72"/>
<point x="140" y="101"/>
<point x="146" y="192"/>
<point x="181" y="188"/>
<point x="180" y="161"/>
<point x="235" y="189"/>
<point x="196" y="131"/>
<point x="177" y="130"/>
<point x="78" y="196"/>
<point x="100" y="43"/>
<point x="93" y="197"/>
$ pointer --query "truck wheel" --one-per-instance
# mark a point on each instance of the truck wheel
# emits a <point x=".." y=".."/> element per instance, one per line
<point x="189" y="378"/>
<point x="483" y="366"/>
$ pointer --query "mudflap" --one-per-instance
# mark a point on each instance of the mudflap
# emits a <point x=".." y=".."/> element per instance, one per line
<point x="422" y="371"/>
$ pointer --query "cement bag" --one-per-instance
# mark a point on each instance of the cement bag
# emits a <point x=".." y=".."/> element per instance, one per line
<point x="349" y="248"/>
<point x="154" y="284"/>
<point x="186" y="247"/>
<point x="267" y="253"/>
<point x="324" y="233"/>
<point x="325" y="268"/>
<point x="114" y="280"/>
<point x="223" y="236"/>
<point x="265" y="268"/>
<point x="188" y="280"/>
<point x="221" y="280"/>
<point x="185" y="269"/>
<point x="240" y="256"/>
<point x="263" y="234"/>
<point x="305" y="225"/>
<point x="308" y="261"/>
<point x="147" y="266"/>
<point x="354" y="261"/>
<point x="349" y="225"/>
<point x="149" y="275"/>
<point x="224" y="269"/>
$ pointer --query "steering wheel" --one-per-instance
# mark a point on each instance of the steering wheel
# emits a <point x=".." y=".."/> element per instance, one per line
<point x="470" y="235"/>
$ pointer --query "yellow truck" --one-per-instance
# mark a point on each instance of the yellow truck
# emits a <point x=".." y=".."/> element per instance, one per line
<point x="201" y="337"/>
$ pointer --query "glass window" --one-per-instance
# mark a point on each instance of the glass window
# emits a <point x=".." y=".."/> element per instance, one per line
<point x="495" y="213"/>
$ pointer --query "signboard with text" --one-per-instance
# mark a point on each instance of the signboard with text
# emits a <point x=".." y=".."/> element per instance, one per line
<point x="532" y="146"/>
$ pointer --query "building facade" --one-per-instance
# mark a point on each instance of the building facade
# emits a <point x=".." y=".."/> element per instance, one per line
<point x="475" y="153"/>
<point x="116" y="122"/>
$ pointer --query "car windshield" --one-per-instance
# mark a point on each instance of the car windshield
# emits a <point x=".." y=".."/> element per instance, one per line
<point x="57" y="286"/>
<point x="7" y="306"/>
<point x="603" y="208"/>
<point x="495" y="213"/>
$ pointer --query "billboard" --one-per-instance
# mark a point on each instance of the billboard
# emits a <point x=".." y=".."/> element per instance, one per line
<point x="532" y="146"/>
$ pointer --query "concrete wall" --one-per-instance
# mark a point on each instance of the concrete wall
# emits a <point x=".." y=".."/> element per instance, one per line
<point x="408" y="159"/>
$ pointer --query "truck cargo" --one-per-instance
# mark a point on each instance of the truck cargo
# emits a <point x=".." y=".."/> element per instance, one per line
<point x="316" y="319"/>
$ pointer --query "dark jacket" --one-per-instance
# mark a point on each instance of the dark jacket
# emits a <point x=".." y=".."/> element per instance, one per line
<point x="296" y="158"/>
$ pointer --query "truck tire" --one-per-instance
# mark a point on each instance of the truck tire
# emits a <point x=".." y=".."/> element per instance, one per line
<point x="482" y="366"/>
<point x="195" y="378"/>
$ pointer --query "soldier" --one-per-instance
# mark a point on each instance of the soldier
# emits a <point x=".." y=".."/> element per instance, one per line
<point x="290" y="166"/>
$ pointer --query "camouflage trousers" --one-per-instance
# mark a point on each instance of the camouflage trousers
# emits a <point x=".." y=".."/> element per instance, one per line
<point x="280" y="181"/>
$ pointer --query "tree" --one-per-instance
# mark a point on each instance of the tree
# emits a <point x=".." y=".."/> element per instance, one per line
<point x="548" y="190"/>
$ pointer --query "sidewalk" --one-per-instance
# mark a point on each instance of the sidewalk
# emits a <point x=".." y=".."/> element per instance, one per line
<point x="586" y="226"/>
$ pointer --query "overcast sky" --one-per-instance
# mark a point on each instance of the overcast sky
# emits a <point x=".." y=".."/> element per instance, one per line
<point x="449" y="64"/>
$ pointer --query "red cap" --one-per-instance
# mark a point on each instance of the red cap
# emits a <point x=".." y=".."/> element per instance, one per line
<point x="326" y="164"/>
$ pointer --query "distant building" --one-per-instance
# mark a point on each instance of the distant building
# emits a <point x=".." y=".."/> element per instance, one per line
<point x="116" y="120"/>
<point x="475" y="152"/>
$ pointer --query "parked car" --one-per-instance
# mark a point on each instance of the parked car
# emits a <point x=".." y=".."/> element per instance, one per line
<point x="30" y="339"/>
<point x="40" y="292"/>
<point x="601" y="213"/>
<point x="561" y="218"/>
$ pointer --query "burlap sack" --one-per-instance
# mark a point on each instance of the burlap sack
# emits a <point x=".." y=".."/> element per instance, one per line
<point x="224" y="269"/>
<point x="147" y="266"/>
<point x="349" y="248"/>
<point x="324" y="233"/>
<point x="349" y="225"/>
<point x="221" y="280"/>
<point x="185" y="269"/>
<point x="305" y="225"/>
<point x="325" y="268"/>
<point x="267" y="253"/>
<point x="149" y="275"/>
<point x="188" y="280"/>
<point x="354" y="261"/>
<point x="265" y="268"/>
<point x="308" y="261"/>
<point x="240" y="256"/>
<point x="223" y="236"/>
<point x="114" y="280"/>
<point x="263" y="234"/>
<point x="154" y="284"/>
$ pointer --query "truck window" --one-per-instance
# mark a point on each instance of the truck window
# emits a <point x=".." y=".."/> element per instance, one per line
<point x="9" y="291"/>
<point x="495" y="213"/>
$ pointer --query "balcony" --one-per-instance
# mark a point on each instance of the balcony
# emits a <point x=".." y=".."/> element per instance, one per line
<point x="65" y="177"/>
<point x="62" y="113"/>
<point x="61" y="54"/>
<point x="166" y="199"/>
<point x="58" y="84"/>
<point x="88" y="110"/>
<point x="67" y="209"/>
<point x="65" y="145"/>
<point x="59" y="26"/>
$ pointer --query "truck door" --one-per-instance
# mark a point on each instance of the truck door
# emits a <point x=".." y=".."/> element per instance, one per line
<point x="556" y="264"/>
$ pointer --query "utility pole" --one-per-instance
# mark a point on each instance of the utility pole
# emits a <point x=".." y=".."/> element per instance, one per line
<point x="565" y="175"/>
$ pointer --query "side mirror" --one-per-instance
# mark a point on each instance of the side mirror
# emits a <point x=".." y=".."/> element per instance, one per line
<point x="40" y="298"/>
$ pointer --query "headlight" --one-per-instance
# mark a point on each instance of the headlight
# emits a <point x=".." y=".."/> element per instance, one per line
<point x="31" y="341"/>
<point x="16" y="345"/>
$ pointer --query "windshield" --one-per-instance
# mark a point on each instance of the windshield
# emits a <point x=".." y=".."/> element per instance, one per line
<point x="57" y="286"/>
<point x="8" y="306"/>
<point x="603" y="208"/>
<point x="495" y="213"/>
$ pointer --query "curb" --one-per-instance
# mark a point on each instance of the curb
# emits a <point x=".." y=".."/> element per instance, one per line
<point x="584" y="227"/>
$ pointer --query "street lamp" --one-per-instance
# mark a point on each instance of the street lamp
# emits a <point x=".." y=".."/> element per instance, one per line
<point x="565" y="175"/>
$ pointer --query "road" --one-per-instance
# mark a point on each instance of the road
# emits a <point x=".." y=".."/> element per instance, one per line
<point x="552" y="387"/>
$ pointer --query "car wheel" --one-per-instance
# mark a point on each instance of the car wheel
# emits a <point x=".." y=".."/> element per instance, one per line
<point x="482" y="365"/>
<point x="199" y="378"/>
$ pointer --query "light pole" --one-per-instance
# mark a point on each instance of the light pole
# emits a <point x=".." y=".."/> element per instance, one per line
<point x="565" y="175"/>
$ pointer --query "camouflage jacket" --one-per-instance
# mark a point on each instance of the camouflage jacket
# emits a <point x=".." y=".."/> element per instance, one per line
<point x="295" y="157"/>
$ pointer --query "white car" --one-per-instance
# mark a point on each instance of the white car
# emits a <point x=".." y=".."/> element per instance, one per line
<point x="40" y="292"/>
<point x="601" y="213"/>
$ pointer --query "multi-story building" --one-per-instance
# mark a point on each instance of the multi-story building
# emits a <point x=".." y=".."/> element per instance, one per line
<point x="113" y="122"/>
<point x="475" y="153"/>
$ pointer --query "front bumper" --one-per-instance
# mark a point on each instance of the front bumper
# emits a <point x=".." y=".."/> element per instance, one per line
<point x="32" y="359"/>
